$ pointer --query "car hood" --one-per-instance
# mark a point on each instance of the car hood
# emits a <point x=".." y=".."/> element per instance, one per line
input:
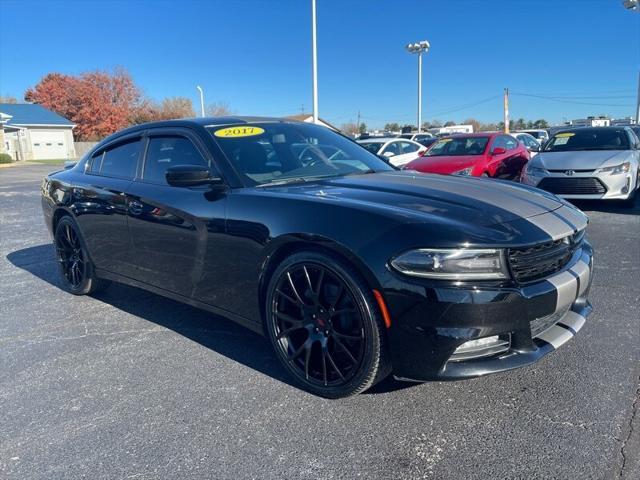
<point x="580" y="160"/>
<point x="443" y="164"/>
<point x="427" y="197"/>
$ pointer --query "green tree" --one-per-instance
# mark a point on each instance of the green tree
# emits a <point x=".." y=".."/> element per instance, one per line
<point x="392" y="127"/>
<point x="362" y="127"/>
<point x="542" y="123"/>
<point x="520" y="124"/>
<point x="449" y="123"/>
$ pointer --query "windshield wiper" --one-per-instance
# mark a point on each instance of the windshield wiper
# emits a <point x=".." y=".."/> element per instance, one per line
<point x="285" y="181"/>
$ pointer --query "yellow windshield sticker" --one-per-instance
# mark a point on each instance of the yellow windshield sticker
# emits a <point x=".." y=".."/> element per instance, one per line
<point x="561" y="135"/>
<point x="445" y="140"/>
<point x="238" y="131"/>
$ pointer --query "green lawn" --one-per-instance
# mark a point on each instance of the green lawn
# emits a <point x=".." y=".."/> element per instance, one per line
<point x="56" y="161"/>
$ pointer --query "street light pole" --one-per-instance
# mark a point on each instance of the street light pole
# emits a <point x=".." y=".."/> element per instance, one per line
<point x="419" y="91"/>
<point x="201" y="100"/>
<point x="419" y="48"/>
<point x="314" y="61"/>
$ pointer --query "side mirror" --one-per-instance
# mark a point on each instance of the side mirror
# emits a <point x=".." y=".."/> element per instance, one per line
<point x="190" y="176"/>
<point x="498" y="151"/>
<point x="534" y="148"/>
<point x="389" y="154"/>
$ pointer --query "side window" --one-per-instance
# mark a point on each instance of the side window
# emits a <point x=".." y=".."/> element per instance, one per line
<point x="408" y="147"/>
<point x="96" y="162"/>
<point x="510" y="142"/>
<point x="499" y="142"/>
<point x="393" y="147"/>
<point x="119" y="161"/>
<point x="169" y="151"/>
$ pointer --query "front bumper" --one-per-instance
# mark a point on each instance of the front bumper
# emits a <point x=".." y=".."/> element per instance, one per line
<point x="429" y="322"/>
<point x="586" y="185"/>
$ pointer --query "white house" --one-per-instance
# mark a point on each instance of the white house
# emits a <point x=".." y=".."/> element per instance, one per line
<point x="31" y="132"/>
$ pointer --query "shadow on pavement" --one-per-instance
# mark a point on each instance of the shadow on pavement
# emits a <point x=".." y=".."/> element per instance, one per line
<point x="209" y="330"/>
<point x="608" y="206"/>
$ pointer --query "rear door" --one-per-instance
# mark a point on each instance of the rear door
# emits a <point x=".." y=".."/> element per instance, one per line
<point x="170" y="227"/>
<point x="408" y="152"/>
<point x="100" y="203"/>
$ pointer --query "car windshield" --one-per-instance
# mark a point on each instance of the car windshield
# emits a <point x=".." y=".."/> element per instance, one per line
<point x="277" y="152"/>
<point x="458" y="146"/>
<point x="588" y="139"/>
<point x="373" y="147"/>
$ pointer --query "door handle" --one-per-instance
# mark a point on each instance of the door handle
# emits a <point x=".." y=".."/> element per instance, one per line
<point x="135" y="207"/>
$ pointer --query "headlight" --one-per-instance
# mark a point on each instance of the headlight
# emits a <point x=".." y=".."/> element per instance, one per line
<point x="535" y="171"/>
<point x="453" y="264"/>
<point x="616" y="169"/>
<point x="465" y="171"/>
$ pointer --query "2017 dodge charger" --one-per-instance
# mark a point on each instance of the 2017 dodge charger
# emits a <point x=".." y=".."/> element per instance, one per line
<point x="353" y="270"/>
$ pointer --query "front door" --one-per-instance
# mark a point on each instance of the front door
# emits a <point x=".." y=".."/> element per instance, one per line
<point x="170" y="226"/>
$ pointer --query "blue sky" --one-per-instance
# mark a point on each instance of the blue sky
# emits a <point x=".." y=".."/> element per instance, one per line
<point x="255" y="54"/>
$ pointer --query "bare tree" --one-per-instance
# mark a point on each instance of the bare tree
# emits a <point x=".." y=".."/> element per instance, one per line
<point x="8" y="99"/>
<point x="218" y="109"/>
<point x="350" y="129"/>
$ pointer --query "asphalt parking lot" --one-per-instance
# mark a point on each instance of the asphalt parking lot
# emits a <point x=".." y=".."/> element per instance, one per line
<point x="128" y="384"/>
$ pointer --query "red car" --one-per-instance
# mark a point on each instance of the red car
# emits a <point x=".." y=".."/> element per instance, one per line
<point x="496" y="155"/>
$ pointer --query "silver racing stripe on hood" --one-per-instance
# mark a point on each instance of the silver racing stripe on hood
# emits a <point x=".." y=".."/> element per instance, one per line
<point x="560" y="223"/>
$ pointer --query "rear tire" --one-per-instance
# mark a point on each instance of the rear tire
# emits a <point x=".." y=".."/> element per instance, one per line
<point x="78" y="272"/>
<point x="325" y="325"/>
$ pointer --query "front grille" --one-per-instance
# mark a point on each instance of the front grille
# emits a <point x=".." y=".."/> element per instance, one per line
<point x="573" y="186"/>
<point x="539" y="261"/>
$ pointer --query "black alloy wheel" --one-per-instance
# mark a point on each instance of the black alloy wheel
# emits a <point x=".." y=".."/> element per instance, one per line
<point x="325" y="326"/>
<point x="74" y="262"/>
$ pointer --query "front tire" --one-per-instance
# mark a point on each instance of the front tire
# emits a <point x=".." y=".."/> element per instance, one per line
<point x="325" y="326"/>
<point x="78" y="273"/>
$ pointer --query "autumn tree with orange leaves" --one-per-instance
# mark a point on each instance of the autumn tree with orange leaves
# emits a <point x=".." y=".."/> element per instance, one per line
<point x="99" y="102"/>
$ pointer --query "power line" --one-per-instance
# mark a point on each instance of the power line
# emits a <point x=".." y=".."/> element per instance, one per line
<point x="561" y="100"/>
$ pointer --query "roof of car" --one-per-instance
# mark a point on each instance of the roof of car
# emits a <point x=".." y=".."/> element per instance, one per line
<point x="378" y="139"/>
<point x="477" y="134"/>
<point x="591" y="129"/>
<point x="204" y="121"/>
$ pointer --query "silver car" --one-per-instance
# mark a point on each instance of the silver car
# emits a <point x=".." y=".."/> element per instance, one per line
<point x="588" y="163"/>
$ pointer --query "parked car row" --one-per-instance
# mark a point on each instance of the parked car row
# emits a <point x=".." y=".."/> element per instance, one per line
<point x="575" y="163"/>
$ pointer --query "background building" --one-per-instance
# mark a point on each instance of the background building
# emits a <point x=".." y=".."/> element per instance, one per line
<point x="31" y="132"/>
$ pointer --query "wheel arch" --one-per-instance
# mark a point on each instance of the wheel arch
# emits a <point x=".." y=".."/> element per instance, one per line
<point x="57" y="215"/>
<point x="280" y="248"/>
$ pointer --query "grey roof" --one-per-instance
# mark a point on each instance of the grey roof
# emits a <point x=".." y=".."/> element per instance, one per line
<point x="32" y="114"/>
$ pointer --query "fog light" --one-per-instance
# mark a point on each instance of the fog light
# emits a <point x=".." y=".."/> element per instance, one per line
<point x="625" y="189"/>
<point x="481" y="347"/>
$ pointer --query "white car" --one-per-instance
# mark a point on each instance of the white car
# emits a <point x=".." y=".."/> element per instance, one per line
<point x="416" y="137"/>
<point x="399" y="151"/>
<point x="529" y="141"/>
<point x="539" y="134"/>
<point x="588" y="163"/>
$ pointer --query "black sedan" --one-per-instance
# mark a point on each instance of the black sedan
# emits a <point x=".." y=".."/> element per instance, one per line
<point x="352" y="269"/>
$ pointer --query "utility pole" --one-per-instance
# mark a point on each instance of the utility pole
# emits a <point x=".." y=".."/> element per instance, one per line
<point x="506" y="110"/>
<point x="314" y="61"/>
<point x="638" y="102"/>
<point x="358" y="122"/>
